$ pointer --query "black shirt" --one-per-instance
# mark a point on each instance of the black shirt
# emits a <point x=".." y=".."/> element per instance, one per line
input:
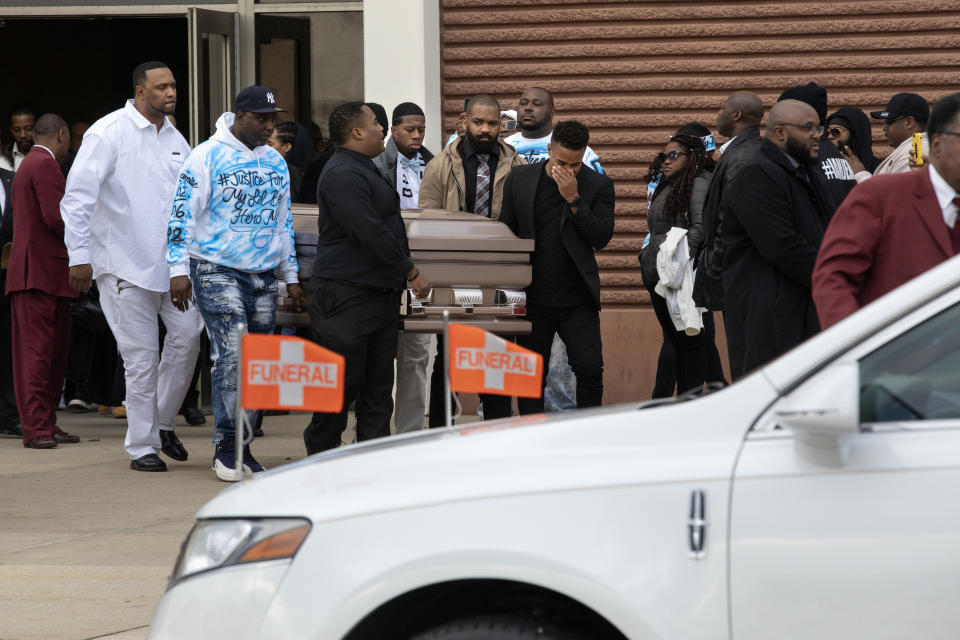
<point x="556" y="279"/>
<point x="469" y="158"/>
<point x="362" y="237"/>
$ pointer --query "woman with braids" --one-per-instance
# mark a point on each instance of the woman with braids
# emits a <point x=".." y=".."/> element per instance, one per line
<point x="678" y="202"/>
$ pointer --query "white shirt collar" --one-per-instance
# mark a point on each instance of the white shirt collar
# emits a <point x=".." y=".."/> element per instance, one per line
<point x="141" y="121"/>
<point x="40" y="146"/>
<point x="726" y="144"/>
<point x="945" y="196"/>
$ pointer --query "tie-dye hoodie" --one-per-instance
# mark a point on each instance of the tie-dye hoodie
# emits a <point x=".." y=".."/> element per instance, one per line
<point x="232" y="208"/>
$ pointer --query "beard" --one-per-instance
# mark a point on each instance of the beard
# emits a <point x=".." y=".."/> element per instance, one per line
<point x="800" y="151"/>
<point x="25" y="145"/>
<point x="481" y="145"/>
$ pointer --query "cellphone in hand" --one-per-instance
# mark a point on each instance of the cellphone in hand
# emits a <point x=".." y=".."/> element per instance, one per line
<point x="918" y="149"/>
<point x="842" y="147"/>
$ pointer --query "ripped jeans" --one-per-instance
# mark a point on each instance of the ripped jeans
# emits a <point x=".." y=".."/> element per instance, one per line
<point x="226" y="297"/>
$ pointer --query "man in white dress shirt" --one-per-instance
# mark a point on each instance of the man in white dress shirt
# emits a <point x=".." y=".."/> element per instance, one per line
<point x="115" y="210"/>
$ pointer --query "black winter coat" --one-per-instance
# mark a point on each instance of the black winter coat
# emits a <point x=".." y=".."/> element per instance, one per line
<point x="589" y="229"/>
<point x="774" y="223"/>
<point x="660" y="224"/>
<point x="707" y="287"/>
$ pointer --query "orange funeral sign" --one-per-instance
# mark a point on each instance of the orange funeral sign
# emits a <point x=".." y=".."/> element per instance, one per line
<point x="481" y="362"/>
<point x="284" y="372"/>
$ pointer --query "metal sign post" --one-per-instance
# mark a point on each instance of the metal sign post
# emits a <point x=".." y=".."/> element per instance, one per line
<point x="447" y="403"/>
<point x="239" y="419"/>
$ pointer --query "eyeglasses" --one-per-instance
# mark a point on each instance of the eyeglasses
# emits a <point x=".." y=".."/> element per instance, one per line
<point x="672" y="155"/>
<point x="835" y="132"/>
<point x="890" y="121"/>
<point x="806" y="128"/>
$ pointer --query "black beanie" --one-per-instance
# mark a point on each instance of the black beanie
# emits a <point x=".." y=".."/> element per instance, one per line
<point x="811" y="93"/>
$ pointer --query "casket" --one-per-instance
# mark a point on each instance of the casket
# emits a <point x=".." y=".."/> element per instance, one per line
<point x="477" y="266"/>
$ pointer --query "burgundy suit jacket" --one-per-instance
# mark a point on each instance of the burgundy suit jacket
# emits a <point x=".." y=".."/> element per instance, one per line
<point x="39" y="258"/>
<point x="889" y="230"/>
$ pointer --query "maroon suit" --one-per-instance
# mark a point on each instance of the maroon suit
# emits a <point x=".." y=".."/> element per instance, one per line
<point x="40" y="293"/>
<point x="887" y="231"/>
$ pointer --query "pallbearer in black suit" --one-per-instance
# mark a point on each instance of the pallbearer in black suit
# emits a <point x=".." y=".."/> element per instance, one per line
<point x="568" y="209"/>
<point x="363" y="263"/>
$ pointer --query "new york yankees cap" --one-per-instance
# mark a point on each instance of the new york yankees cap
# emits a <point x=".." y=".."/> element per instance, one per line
<point x="256" y="99"/>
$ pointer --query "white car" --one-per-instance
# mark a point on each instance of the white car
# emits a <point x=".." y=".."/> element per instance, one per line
<point x="817" y="498"/>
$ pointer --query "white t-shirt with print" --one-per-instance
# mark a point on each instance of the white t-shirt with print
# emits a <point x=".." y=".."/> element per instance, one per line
<point x="534" y="150"/>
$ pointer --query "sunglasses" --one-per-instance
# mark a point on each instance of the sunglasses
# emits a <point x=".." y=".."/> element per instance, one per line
<point x="509" y="125"/>
<point x="833" y="132"/>
<point x="672" y="155"/>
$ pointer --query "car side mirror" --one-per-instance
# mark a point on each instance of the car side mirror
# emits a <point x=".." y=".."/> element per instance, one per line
<point x="823" y="411"/>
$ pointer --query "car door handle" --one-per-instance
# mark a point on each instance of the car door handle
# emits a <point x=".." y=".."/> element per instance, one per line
<point x="697" y="524"/>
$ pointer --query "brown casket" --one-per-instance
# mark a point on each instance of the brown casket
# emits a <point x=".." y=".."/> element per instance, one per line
<point x="477" y="266"/>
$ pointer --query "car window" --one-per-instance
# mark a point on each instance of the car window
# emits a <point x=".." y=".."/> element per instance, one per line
<point x="916" y="376"/>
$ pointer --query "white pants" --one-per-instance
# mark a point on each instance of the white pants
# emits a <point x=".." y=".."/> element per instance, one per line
<point x="155" y="387"/>
<point x="413" y="352"/>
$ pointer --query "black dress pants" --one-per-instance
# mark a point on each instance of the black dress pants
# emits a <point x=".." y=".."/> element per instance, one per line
<point x="9" y="416"/>
<point x="360" y="324"/>
<point x="579" y="328"/>
<point x="666" y="380"/>
<point x="494" y="406"/>
<point x="691" y="350"/>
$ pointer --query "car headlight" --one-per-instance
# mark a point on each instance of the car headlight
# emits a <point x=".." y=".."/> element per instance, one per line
<point x="220" y="543"/>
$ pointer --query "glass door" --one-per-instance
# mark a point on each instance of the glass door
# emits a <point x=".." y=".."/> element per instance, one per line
<point x="212" y="69"/>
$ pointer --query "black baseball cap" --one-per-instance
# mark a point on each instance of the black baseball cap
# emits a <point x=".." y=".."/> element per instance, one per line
<point x="904" y="104"/>
<point x="256" y="99"/>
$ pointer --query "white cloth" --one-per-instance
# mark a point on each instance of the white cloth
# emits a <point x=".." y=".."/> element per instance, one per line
<point x="3" y="198"/>
<point x="945" y="196"/>
<point x="18" y="157"/>
<point x="408" y="182"/>
<point x="118" y="196"/>
<point x="413" y="353"/>
<point x="155" y="386"/>
<point x="676" y="282"/>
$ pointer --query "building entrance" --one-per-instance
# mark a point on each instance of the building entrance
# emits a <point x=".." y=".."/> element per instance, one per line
<point x="80" y="68"/>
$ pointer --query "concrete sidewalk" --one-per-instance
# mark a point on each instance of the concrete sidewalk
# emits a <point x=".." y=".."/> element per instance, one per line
<point x="86" y="544"/>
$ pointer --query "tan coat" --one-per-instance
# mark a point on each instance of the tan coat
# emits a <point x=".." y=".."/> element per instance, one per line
<point x="444" y="183"/>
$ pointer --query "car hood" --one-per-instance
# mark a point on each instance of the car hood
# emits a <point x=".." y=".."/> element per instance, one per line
<point x="604" y="447"/>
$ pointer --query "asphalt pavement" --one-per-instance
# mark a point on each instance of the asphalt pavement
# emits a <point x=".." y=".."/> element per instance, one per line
<point x="87" y="544"/>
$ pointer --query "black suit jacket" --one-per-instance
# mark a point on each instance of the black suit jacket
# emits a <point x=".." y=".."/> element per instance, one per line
<point x="708" y="287"/>
<point x="6" y="222"/>
<point x="591" y="227"/>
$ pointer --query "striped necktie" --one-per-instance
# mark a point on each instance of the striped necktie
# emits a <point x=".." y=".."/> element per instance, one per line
<point x="482" y="203"/>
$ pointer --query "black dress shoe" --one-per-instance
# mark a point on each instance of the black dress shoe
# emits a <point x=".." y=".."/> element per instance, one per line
<point x="149" y="462"/>
<point x="43" y="442"/>
<point x="12" y="431"/>
<point x="62" y="437"/>
<point x="170" y="444"/>
<point x="193" y="416"/>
